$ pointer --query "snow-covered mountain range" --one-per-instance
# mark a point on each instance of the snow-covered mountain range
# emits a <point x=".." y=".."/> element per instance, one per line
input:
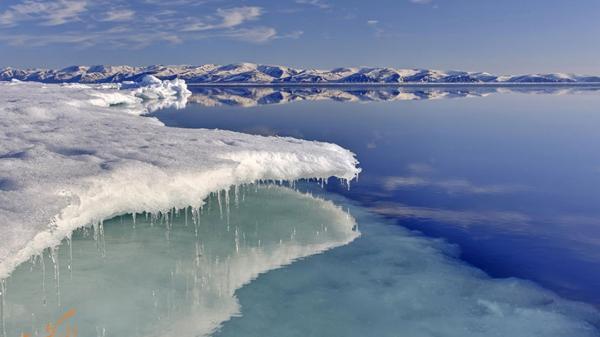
<point x="250" y="73"/>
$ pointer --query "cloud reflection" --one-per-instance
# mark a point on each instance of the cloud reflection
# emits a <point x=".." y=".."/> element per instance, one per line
<point x="457" y="217"/>
<point x="448" y="185"/>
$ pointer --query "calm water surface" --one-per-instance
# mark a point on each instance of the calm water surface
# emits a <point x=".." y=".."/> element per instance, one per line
<point x="458" y="185"/>
<point x="511" y="178"/>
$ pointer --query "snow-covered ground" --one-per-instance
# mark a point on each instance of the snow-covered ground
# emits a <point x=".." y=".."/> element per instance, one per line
<point x="72" y="155"/>
<point x="251" y="73"/>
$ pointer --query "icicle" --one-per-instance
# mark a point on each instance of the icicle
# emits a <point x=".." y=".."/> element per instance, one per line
<point x="227" y="210"/>
<point x="2" y="308"/>
<point x="32" y="263"/>
<point x="167" y="215"/>
<point x="95" y="232"/>
<point x="70" y="264"/>
<point x="236" y="195"/>
<point x="102" y="242"/>
<point x="186" y="216"/>
<point x="44" y="296"/>
<point x="220" y="205"/>
<point x="209" y="202"/>
<point x="55" y="263"/>
<point x="197" y="222"/>
<point x="98" y="234"/>
<point x="133" y="218"/>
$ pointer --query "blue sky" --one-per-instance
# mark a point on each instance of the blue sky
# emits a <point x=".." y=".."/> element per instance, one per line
<point x="508" y="36"/>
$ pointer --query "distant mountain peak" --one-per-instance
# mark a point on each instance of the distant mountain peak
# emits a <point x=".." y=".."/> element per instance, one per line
<point x="252" y="73"/>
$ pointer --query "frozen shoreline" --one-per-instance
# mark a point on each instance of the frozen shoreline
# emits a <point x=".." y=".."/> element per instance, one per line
<point x="74" y="155"/>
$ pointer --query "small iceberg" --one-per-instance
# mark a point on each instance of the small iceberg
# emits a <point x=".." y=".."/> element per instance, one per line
<point x="152" y="88"/>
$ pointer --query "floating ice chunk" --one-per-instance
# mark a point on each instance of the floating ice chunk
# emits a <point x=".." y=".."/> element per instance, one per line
<point x="108" y="99"/>
<point x="151" y="88"/>
<point x="155" y="94"/>
<point x="71" y="156"/>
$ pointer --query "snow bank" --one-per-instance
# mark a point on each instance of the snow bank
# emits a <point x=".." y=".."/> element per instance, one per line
<point x="75" y="155"/>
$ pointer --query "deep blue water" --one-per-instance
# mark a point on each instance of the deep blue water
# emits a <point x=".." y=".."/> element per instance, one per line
<point x="511" y="178"/>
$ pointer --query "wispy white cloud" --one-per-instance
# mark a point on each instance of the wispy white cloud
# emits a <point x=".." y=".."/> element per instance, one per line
<point x="420" y="2"/>
<point x="372" y="22"/>
<point x="253" y="35"/>
<point x="114" y="15"/>
<point x="317" y="3"/>
<point x="100" y="23"/>
<point x="291" y="35"/>
<point x="236" y="16"/>
<point x="49" y="13"/>
<point x="172" y="3"/>
<point x="117" y="37"/>
<point x="228" y="18"/>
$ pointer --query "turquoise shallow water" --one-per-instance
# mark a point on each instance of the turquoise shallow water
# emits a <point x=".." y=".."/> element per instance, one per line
<point x="394" y="282"/>
<point x="171" y="274"/>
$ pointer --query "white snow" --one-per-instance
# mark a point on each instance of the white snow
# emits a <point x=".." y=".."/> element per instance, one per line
<point x="151" y="87"/>
<point x="75" y="155"/>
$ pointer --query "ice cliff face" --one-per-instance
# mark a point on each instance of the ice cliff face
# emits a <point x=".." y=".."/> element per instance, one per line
<point x="273" y="74"/>
<point x="74" y="154"/>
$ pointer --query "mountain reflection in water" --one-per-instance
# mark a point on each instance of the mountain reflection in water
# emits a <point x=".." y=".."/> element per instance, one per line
<point x="248" y="96"/>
